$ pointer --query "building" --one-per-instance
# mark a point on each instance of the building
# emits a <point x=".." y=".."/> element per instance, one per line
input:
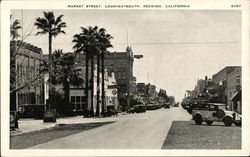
<point x="78" y="95"/>
<point x="141" y="89"/>
<point x="220" y="80"/>
<point x="200" y="87"/>
<point x="147" y="91"/>
<point x="234" y="83"/>
<point x="121" y="64"/>
<point x="112" y="91"/>
<point x="133" y="87"/>
<point x="28" y="80"/>
<point x="152" y="93"/>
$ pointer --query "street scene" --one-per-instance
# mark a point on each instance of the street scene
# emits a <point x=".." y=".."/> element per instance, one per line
<point x="125" y="79"/>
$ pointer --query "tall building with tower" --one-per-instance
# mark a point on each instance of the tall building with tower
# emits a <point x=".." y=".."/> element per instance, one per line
<point x="121" y="64"/>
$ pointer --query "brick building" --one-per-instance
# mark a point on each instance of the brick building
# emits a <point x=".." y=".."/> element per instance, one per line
<point x="27" y="63"/>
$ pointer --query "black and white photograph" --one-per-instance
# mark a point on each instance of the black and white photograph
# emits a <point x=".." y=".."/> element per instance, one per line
<point x="125" y="76"/>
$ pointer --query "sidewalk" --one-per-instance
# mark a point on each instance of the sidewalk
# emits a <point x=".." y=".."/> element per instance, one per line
<point x="30" y="124"/>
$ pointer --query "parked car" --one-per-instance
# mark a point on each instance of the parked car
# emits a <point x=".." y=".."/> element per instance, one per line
<point x="132" y="110"/>
<point x="31" y="111"/>
<point x="111" y="111"/>
<point x="211" y="112"/>
<point x="140" y="108"/>
<point x="189" y="106"/>
<point x="150" y="106"/>
<point x="166" y="105"/>
<point x="176" y="104"/>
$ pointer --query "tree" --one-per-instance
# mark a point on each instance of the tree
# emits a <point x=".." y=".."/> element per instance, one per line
<point x="14" y="27"/>
<point x="64" y="72"/>
<point x="104" y="40"/>
<point x="171" y="99"/>
<point x="93" y="42"/>
<point x="16" y="81"/>
<point x="51" y="26"/>
<point x="86" y="42"/>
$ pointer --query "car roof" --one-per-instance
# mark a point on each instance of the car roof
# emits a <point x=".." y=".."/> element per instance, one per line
<point x="216" y="104"/>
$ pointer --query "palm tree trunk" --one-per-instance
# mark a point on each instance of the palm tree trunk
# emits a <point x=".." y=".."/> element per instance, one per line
<point x="66" y="95"/>
<point x="98" y="85"/>
<point x="50" y="70"/>
<point x="92" y="86"/>
<point x="103" y="90"/>
<point x="86" y="82"/>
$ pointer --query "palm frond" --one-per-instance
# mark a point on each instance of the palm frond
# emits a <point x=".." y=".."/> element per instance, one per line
<point x="14" y="27"/>
<point x="50" y="17"/>
<point x="58" y="19"/>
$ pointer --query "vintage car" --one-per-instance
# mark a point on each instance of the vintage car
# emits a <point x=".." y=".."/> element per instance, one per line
<point x="31" y="111"/>
<point x="211" y="112"/>
<point x="140" y="108"/>
<point x="111" y="111"/>
<point x="137" y="106"/>
<point x="176" y="104"/>
<point x="132" y="110"/>
<point x="152" y="106"/>
<point x="166" y="105"/>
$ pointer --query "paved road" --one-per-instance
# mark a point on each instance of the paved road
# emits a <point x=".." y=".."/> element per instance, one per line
<point x="134" y="131"/>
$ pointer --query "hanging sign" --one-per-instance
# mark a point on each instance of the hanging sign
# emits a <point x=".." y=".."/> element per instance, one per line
<point x="114" y="92"/>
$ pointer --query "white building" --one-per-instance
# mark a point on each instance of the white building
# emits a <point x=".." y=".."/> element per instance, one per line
<point x="78" y="96"/>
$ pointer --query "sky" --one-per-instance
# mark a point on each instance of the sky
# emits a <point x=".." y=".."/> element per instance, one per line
<point x="178" y="46"/>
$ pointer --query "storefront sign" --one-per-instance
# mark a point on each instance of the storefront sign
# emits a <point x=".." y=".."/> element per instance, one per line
<point x="114" y="92"/>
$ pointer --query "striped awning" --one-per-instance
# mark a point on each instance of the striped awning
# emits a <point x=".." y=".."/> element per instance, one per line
<point x="236" y="95"/>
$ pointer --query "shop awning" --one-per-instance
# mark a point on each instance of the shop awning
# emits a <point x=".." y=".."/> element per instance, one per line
<point x="236" y="96"/>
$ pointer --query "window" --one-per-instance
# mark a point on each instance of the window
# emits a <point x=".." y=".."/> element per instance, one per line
<point x="73" y="99"/>
<point x="211" y="107"/>
<point x="78" y="102"/>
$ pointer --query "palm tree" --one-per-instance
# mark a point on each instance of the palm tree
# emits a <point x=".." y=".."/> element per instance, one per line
<point x="51" y="26"/>
<point x="14" y="27"/>
<point x="105" y="43"/>
<point x="87" y="42"/>
<point x="64" y="72"/>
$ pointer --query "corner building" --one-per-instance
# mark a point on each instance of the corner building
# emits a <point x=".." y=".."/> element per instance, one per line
<point x="121" y="64"/>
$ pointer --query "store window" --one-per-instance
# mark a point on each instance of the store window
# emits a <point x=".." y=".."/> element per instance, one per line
<point x="78" y="102"/>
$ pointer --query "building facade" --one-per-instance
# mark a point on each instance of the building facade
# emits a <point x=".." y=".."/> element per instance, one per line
<point x="27" y="60"/>
<point x="121" y="64"/>
<point x="78" y="95"/>
<point x="220" y="81"/>
<point x="147" y="91"/>
<point x="234" y="83"/>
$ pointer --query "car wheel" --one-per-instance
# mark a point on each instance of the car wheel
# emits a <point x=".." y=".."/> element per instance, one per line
<point x="220" y="113"/>
<point x="198" y="119"/>
<point x="209" y="122"/>
<point x="237" y="123"/>
<point x="227" y="121"/>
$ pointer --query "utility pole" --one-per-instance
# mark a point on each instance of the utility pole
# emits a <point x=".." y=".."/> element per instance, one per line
<point x="148" y="77"/>
<point x="127" y="37"/>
